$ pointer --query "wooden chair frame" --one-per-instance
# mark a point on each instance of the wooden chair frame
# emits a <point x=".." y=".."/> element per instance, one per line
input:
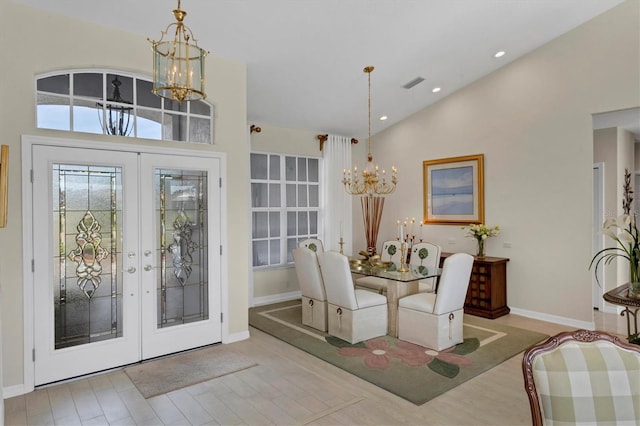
<point x="552" y="343"/>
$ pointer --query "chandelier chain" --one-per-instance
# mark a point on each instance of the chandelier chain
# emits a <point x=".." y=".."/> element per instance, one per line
<point x="372" y="183"/>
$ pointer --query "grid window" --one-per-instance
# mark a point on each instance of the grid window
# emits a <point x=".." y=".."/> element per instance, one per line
<point x="85" y="101"/>
<point x="285" y="203"/>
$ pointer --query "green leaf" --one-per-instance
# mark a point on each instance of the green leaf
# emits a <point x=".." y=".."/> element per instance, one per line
<point x="339" y="343"/>
<point x="444" y="368"/>
<point x="467" y="346"/>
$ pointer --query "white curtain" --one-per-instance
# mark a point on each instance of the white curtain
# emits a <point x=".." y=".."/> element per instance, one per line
<point x="336" y="156"/>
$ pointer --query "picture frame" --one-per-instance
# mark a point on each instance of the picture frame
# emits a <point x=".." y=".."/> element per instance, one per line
<point x="454" y="190"/>
<point x="4" y="184"/>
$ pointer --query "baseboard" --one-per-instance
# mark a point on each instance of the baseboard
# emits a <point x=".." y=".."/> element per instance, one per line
<point x="554" y="318"/>
<point x="15" y="390"/>
<point x="235" y="337"/>
<point x="275" y="298"/>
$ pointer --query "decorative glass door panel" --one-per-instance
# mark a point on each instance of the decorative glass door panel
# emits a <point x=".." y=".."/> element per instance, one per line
<point x="181" y="209"/>
<point x="87" y="206"/>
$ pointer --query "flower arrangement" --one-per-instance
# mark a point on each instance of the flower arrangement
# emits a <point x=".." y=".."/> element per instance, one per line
<point x="481" y="232"/>
<point x="624" y="231"/>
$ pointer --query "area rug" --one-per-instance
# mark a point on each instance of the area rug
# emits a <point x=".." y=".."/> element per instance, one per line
<point x="412" y="372"/>
<point x="175" y="372"/>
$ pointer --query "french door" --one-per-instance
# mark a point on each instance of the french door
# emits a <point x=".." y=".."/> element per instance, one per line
<point x="124" y="265"/>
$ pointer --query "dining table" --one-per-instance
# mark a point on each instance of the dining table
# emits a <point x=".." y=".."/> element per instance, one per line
<point x="401" y="282"/>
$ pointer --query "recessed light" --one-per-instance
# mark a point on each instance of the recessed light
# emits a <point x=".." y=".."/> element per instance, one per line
<point x="499" y="54"/>
<point x="384" y="117"/>
<point x="436" y="89"/>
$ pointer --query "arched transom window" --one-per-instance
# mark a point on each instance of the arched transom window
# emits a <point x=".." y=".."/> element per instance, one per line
<point x="118" y="103"/>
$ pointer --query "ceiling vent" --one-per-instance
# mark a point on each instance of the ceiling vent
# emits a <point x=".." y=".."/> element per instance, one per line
<point x="413" y="82"/>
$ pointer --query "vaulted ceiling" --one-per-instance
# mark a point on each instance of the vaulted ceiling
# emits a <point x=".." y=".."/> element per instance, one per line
<point x="305" y="58"/>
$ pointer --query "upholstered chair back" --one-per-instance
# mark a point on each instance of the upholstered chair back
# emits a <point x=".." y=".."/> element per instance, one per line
<point x="391" y="252"/>
<point x="312" y="244"/>
<point x="308" y="272"/>
<point x="425" y="257"/>
<point x="337" y="280"/>
<point x="583" y="377"/>
<point x="454" y="281"/>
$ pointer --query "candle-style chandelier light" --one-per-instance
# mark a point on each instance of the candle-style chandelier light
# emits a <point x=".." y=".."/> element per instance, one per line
<point x="373" y="181"/>
<point x="178" y="64"/>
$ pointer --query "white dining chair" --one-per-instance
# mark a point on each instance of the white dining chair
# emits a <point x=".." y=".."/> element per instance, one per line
<point x="354" y="315"/>
<point x="314" y="296"/>
<point x="435" y="320"/>
<point x="391" y="252"/>
<point x="425" y="257"/>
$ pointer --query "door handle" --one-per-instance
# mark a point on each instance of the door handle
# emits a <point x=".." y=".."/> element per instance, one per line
<point x="148" y="267"/>
<point x="131" y="270"/>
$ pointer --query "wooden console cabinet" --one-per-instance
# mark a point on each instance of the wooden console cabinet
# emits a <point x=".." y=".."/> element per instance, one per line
<point x="487" y="293"/>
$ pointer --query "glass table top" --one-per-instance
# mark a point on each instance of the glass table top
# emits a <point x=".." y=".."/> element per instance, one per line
<point x="389" y="271"/>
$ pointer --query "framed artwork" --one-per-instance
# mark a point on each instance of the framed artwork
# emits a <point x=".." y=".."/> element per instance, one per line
<point x="4" y="169"/>
<point x="454" y="190"/>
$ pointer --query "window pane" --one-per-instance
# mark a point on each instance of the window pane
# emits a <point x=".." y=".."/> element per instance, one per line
<point x="149" y="124"/>
<point x="274" y="167"/>
<point x="313" y="223"/>
<point x="274" y="224"/>
<point x="303" y="228"/>
<point x="199" y="130"/>
<point x="302" y="195"/>
<point x="291" y="223"/>
<point x="258" y="166"/>
<point x="146" y="96"/>
<point x="313" y="169"/>
<point x="174" y="127"/>
<point x="291" y="244"/>
<point x="260" y="253"/>
<point x="53" y="116"/>
<point x="175" y="105"/>
<point x="290" y="168"/>
<point x="200" y="107"/>
<point x="274" y="248"/>
<point x="126" y="88"/>
<point x="86" y="117"/>
<point x="302" y="169"/>
<point x="314" y="198"/>
<point x="260" y="225"/>
<point x="291" y="195"/>
<point x="259" y="194"/>
<point x="54" y="84"/>
<point x="89" y="85"/>
<point x="274" y="195"/>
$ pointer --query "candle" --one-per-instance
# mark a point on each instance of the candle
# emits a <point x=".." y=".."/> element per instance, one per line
<point x="420" y="231"/>
<point x="340" y="229"/>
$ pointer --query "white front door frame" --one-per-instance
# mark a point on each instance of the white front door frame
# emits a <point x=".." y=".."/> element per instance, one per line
<point x="28" y="141"/>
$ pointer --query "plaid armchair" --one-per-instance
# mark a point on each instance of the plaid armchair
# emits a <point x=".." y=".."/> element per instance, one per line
<point x="583" y="377"/>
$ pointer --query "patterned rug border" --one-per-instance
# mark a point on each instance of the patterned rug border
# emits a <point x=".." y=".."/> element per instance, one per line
<point x="415" y="384"/>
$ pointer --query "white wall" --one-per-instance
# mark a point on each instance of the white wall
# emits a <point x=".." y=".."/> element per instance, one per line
<point x="532" y="121"/>
<point x="33" y="42"/>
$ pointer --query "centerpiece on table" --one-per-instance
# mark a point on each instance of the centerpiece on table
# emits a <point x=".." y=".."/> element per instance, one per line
<point x="481" y="232"/>
<point x="624" y="231"/>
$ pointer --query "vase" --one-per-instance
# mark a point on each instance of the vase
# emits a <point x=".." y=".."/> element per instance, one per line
<point x="480" y="248"/>
<point x="634" y="290"/>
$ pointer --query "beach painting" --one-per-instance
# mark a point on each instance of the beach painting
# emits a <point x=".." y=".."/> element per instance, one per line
<point x="454" y="190"/>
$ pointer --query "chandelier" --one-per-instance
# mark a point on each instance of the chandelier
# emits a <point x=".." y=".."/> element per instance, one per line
<point x="373" y="182"/>
<point x="118" y="113"/>
<point x="178" y="64"/>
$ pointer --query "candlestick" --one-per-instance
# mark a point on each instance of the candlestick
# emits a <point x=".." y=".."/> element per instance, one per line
<point x="341" y="244"/>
